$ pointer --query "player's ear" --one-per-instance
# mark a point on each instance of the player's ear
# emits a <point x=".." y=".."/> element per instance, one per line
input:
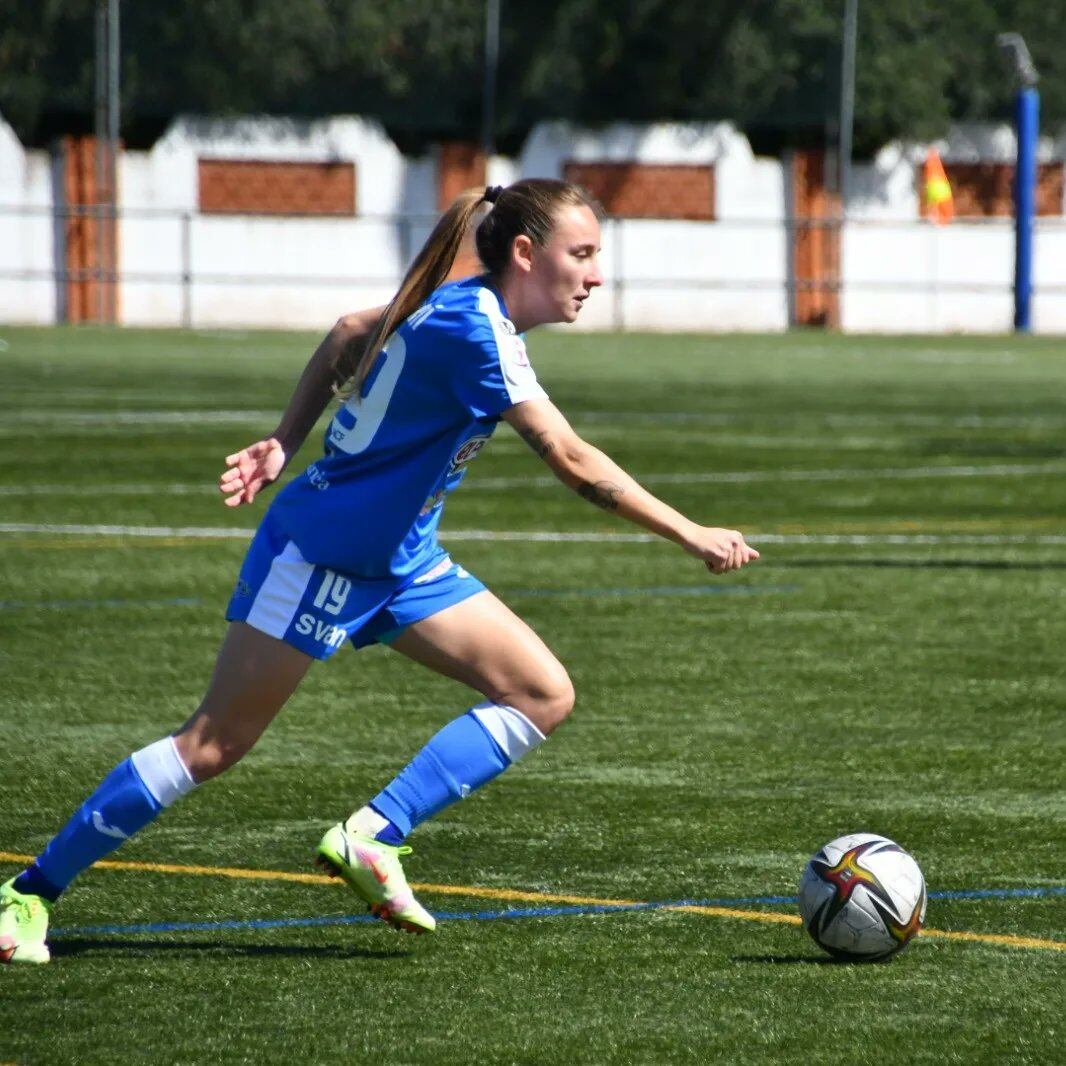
<point x="522" y="253"/>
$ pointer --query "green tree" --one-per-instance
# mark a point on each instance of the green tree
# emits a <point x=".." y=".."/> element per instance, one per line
<point x="771" y="66"/>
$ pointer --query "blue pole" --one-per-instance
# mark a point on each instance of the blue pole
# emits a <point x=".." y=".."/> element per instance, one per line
<point x="1027" y="124"/>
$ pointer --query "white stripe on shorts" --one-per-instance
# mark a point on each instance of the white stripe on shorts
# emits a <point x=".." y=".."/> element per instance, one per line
<point x="441" y="568"/>
<point x="281" y="592"/>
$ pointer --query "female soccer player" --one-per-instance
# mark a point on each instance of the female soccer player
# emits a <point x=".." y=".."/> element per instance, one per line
<point x="348" y="551"/>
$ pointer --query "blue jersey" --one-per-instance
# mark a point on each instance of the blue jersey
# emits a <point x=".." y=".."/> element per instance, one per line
<point x="371" y="506"/>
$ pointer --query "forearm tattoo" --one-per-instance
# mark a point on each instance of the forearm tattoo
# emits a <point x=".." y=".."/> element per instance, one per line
<point x="603" y="493"/>
<point x="538" y="442"/>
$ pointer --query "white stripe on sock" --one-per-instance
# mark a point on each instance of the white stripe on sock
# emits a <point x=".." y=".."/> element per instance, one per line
<point x="509" y="727"/>
<point x="280" y="593"/>
<point x="163" y="772"/>
<point x="366" y="821"/>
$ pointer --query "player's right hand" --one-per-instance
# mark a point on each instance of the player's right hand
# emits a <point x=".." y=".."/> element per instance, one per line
<point x="721" y="549"/>
<point x="250" y="470"/>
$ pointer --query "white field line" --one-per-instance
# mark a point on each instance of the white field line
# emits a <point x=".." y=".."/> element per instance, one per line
<point x="134" y="418"/>
<point x="836" y="474"/>
<point x="90" y="489"/>
<point x="52" y="416"/>
<point x="543" y="536"/>
<point x="902" y="419"/>
<point x="690" y="478"/>
<point x="194" y="532"/>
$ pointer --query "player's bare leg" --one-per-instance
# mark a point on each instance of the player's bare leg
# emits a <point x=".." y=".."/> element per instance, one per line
<point x="482" y="643"/>
<point x="253" y="677"/>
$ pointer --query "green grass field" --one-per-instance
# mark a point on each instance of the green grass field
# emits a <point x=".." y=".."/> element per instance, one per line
<point x="893" y="664"/>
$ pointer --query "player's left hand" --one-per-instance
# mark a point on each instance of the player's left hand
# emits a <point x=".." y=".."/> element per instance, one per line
<point x="721" y="549"/>
<point x="251" y="469"/>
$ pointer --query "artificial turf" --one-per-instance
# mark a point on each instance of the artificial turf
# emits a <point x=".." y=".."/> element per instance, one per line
<point x="892" y="664"/>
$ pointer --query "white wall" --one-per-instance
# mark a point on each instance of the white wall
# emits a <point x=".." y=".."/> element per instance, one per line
<point x="322" y="265"/>
<point x="386" y="182"/>
<point x="747" y="187"/>
<point x="908" y="278"/>
<point x="887" y="187"/>
<point x="899" y="273"/>
<point x="689" y="276"/>
<point x="682" y="275"/>
<point x="1049" y="270"/>
<point x="311" y="270"/>
<point x="27" y="235"/>
<point x="906" y="275"/>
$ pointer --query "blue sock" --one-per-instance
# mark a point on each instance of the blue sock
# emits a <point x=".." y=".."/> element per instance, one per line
<point x="462" y="757"/>
<point x="32" y="882"/>
<point x="116" y="810"/>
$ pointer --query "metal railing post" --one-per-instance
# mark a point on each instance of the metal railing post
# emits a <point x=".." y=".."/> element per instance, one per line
<point x="619" y="277"/>
<point x="186" y="269"/>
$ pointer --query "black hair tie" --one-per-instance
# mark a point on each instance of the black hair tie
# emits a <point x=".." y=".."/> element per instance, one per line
<point x="492" y="193"/>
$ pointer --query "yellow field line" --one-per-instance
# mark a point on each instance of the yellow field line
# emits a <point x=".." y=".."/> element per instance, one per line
<point x="208" y="871"/>
<point x="518" y="896"/>
<point x="1003" y="939"/>
<point x="321" y="879"/>
<point x="735" y="912"/>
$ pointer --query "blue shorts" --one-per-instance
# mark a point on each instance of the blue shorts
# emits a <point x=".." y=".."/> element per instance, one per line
<point x="316" y="609"/>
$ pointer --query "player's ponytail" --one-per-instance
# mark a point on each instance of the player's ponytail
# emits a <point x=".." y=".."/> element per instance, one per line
<point x="525" y="208"/>
<point x="428" y="272"/>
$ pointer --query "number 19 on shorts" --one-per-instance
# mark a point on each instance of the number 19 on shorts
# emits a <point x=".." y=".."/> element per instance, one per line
<point x="333" y="593"/>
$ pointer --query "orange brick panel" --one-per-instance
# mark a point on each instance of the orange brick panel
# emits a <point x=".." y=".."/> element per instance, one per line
<point x="461" y="166"/>
<point x="258" y="187"/>
<point x="816" y="244"/>
<point x="983" y="190"/>
<point x="644" y="190"/>
<point x="91" y="235"/>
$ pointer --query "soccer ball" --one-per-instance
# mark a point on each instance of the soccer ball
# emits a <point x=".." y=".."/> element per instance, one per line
<point x="862" y="897"/>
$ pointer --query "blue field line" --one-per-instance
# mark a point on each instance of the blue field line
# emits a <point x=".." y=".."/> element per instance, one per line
<point x="64" y="605"/>
<point x="511" y="913"/>
<point x="354" y="919"/>
<point x="1002" y="893"/>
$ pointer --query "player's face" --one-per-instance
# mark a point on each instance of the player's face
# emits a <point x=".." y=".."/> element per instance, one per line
<point x="567" y="268"/>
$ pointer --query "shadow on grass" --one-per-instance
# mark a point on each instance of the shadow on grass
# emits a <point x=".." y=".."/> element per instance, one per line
<point x="923" y="564"/>
<point x="115" y="947"/>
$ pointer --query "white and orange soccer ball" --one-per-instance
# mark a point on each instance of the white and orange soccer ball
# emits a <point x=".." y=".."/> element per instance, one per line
<point x="862" y="897"/>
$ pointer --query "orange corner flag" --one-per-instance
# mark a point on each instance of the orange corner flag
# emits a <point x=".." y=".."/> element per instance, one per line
<point x="939" y="205"/>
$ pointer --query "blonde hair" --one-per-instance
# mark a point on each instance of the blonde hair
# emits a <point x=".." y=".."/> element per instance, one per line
<point x="526" y="207"/>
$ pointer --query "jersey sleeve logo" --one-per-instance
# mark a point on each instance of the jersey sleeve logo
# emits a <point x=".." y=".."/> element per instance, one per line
<point x="463" y="455"/>
<point x="467" y="450"/>
<point x="513" y="343"/>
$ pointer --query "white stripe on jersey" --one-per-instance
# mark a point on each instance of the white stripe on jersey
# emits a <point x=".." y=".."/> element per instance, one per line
<point x="281" y="592"/>
<point x="517" y="371"/>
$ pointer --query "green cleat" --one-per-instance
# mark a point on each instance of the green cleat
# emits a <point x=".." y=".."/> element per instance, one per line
<point x="373" y="870"/>
<point x="23" y="925"/>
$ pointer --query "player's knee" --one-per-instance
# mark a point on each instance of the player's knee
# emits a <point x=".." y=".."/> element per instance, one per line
<point x="560" y="703"/>
<point x="221" y="753"/>
<point x="546" y="701"/>
<point x="207" y="755"/>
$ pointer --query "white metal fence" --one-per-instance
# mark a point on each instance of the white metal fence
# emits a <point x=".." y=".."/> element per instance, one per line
<point x="183" y="268"/>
